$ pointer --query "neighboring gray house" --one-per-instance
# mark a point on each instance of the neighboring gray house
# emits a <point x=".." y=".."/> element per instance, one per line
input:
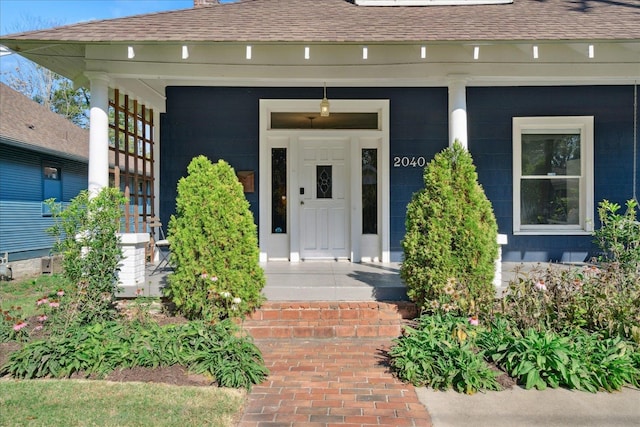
<point x="42" y="156"/>
<point x="542" y="92"/>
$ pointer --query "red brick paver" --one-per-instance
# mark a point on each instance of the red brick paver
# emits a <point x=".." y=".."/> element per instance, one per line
<point x="334" y="382"/>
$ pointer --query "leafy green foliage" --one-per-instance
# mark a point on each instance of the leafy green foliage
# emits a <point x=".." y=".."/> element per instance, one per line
<point x="575" y="360"/>
<point x="217" y="350"/>
<point x="87" y="231"/>
<point x="619" y="235"/>
<point x="440" y="353"/>
<point x="214" y="245"/>
<point x="540" y="359"/>
<point x="609" y="362"/>
<point x="450" y="234"/>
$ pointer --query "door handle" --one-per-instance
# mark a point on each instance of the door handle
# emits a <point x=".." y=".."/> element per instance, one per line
<point x="302" y="202"/>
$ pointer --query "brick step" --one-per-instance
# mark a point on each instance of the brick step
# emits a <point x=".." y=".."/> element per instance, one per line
<point x="318" y="319"/>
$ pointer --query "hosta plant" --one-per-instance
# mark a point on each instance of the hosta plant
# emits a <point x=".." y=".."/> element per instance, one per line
<point x="541" y="359"/>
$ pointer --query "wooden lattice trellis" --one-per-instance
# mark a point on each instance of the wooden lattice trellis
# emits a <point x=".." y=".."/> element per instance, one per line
<point x="131" y="159"/>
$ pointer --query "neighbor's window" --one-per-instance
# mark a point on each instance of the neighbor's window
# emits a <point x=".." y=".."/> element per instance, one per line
<point x="552" y="175"/>
<point x="51" y="186"/>
<point x="51" y="172"/>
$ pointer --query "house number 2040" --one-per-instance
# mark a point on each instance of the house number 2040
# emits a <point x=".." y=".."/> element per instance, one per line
<point x="409" y="162"/>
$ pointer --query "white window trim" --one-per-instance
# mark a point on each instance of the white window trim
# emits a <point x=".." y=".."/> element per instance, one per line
<point x="583" y="124"/>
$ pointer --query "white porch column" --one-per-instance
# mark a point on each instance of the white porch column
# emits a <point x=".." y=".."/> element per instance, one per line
<point x="458" y="111"/>
<point x="98" y="133"/>
<point x="156" y="161"/>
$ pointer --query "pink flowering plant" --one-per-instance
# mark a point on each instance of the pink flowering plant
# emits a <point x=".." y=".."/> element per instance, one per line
<point x="51" y="311"/>
<point x="13" y="325"/>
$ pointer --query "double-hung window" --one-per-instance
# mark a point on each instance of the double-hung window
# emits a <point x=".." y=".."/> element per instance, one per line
<point x="553" y="175"/>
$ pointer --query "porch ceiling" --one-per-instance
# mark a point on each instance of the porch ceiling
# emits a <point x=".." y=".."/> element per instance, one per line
<point x="156" y="66"/>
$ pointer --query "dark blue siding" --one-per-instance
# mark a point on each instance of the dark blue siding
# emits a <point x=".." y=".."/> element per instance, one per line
<point x="224" y="123"/>
<point x="490" y="113"/>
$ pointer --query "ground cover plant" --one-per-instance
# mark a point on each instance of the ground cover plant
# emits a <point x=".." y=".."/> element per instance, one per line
<point x="214" y="245"/>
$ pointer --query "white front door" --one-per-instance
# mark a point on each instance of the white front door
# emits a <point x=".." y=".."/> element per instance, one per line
<point x="323" y="194"/>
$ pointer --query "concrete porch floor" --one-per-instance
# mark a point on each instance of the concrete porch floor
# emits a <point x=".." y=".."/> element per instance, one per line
<point x="324" y="281"/>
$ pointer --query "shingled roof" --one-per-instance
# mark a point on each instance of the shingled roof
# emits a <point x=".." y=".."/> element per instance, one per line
<point x="27" y="124"/>
<point x="318" y="21"/>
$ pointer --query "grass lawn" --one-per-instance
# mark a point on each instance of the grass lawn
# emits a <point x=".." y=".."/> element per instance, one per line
<point x="102" y="403"/>
<point x="25" y="293"/>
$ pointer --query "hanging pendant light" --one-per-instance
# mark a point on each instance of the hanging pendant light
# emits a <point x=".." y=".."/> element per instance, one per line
<point x="324" y="104"/>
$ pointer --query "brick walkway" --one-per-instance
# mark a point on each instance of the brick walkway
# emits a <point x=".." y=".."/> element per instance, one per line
<point x="331" y="382"/>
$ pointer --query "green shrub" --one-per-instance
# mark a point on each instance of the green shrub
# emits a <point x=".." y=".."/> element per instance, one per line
<point x="619" y="235"/>
<point x="87" y="231"/>
<point x="219" y="351"/>
<point x="450" y="235"/>
<point x="214" y="245"/>
<point x="440" y="353"/>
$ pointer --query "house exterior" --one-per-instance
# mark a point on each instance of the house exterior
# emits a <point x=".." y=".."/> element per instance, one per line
<point x="543" y="94"/>
<point x="42" y="155"/>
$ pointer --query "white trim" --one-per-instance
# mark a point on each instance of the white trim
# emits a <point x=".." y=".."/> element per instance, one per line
<point x="561" y="124"/>
<point x="98" y="174"/>
<point x="458" y="111"/>
<point x="268" y="135"/>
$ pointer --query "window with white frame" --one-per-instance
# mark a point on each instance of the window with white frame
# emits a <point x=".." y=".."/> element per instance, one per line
<point x="553" y="175"/>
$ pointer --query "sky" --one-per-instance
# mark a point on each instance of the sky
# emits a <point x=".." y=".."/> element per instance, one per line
<point x="23" y="15"/>
<point x="19" y="15"/>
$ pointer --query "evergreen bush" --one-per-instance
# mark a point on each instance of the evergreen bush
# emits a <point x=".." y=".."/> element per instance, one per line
<point x="450" y="237"/>
<point x="214" y="245"/>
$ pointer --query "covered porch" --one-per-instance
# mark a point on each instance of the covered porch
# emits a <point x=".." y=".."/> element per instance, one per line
<point x="325" y="281"/>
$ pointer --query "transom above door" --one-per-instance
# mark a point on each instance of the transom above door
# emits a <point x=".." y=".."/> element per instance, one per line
<point x="324" y="193"/>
